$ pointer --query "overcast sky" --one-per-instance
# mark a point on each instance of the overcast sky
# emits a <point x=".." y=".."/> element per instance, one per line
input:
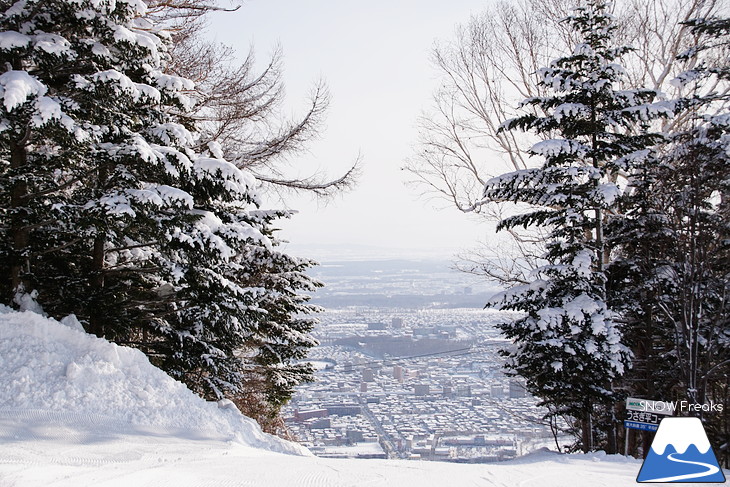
<point x="374" y="57"/>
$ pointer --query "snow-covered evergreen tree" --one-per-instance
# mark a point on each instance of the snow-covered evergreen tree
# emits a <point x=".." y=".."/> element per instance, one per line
<point x="238" y="311"/>
<point x="108" y="212"/>
<point x="568" y="345"/>
<point x="282" y="337"/>
<point x="211" y="314"/>
<point x="674" y="241"/>
<point x="636" y="284"/>
<point x="92" y="161"/>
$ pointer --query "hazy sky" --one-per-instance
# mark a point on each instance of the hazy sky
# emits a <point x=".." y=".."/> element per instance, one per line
<point x="374" y="57"/>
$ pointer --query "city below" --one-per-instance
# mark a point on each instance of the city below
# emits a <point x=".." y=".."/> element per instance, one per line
<point x="406" y="382"/>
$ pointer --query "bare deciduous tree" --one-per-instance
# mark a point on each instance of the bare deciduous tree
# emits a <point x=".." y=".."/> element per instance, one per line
<point x="239" y="105"/>
<point x="488" y="69"/>
<point x="657" y="32"/>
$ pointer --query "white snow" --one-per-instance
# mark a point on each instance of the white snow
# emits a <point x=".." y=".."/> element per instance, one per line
<point x="583" y="49"/>
<point x="139" y="7"/>
<point x="11" y="39"/>
<point x="583" y="262"/>
<point x="28" y="302"/>
<point x="76" y="410"/>
<point x="122" y="34"/>
<point x="52" y="43"/>
<point x="651" y="111"/>
<point x="215" y="149"/>
<point x="166" y="153"/>
<point x="18" y="8"/>
<point x="171" y="133"/>
<point x="172" y="196"/>
<point x="554" y="147"/>
<point x="235" y="180"/>
<point x="573" y="310"/>
<point x="152" y="194"/>
<point x="17" y="86"/>
<point x="208" y="226"/>
<point x="100" y="50"/>
<point x="137" y="91"/>
<point x="571" y="110"/>
<point x="680" y="433"/>
<point x="49" y="367"/>
<point x="608" y="193"/>
<point x="116" y="204"/>
<point x="171" y="82"/>
<point x="50" y="109"/>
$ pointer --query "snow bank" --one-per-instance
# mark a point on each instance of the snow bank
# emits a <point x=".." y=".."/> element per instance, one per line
<point x="47" y="366"/>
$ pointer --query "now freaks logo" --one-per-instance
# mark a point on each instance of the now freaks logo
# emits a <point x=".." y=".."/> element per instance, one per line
<point x="680" y="452"/>
<point x="672" y="407"/>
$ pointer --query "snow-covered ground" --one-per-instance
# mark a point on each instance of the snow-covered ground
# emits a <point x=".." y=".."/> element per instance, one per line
<point x="79" y="411"/>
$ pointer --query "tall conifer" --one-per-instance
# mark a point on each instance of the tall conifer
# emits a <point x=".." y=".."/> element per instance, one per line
<point x="569" y="346"/>
<point x="110" y="213"/>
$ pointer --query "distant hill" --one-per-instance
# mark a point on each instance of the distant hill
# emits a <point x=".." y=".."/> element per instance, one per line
<point x="399" y="283"/>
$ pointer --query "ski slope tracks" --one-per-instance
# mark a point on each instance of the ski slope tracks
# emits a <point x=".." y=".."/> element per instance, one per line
<point x="76" y="410"/>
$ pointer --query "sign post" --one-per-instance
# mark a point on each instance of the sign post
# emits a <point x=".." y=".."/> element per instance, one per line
<point x="644" y="415"/>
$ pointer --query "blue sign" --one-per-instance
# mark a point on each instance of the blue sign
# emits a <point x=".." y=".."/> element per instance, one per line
<point x="635" y="425"/>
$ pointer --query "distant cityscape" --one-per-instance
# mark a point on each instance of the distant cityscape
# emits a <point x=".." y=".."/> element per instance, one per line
<point x="399" y="283"/>
<point x="409" y="382"/>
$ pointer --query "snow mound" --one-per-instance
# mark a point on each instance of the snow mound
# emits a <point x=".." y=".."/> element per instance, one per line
<point x="54" y="368"/>
<point x="680" y="433"/>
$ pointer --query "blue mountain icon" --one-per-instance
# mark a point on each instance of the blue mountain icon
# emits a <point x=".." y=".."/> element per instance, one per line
<point x="681" y="452"/>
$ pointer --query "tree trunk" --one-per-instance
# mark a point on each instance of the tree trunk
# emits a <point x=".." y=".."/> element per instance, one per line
<point x="96" y="320"/>
<point x="18" y="225"/>
<point x="612" y="447"/>
<point x="19" y="233"/>
<point x="585" y="425"/>
<point x="645" y="443"/>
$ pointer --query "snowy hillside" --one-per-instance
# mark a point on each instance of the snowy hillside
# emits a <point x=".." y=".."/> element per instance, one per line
<point x="77" y="410"/>
<point x="52" y="372"/>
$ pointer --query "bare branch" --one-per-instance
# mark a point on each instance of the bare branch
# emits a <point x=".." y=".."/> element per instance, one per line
<point x="491" y="66"/>
<point x="316" y="184"/>
<point x="239" y="108"/>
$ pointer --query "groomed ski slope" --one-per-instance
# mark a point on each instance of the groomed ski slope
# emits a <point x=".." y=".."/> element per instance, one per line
<point x="76" y="410"/>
